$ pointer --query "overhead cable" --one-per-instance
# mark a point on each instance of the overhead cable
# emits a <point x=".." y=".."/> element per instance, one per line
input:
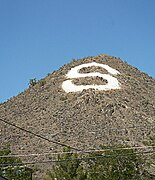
<point x="38" y="135"/>
<point x="73" y="159"/>
<point x="78" y="152"/>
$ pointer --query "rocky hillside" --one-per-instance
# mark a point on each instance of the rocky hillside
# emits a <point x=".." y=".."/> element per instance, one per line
<point x="84" y="119"/>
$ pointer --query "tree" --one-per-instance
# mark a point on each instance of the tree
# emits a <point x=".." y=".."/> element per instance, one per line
<point x="116" y="164"/>
<point x="32" y="82"/>
<point x="9" y="171"/>
<point x="67" y="169"/>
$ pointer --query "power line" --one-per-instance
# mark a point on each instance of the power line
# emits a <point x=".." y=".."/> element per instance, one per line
<point x="73" y="159"/>
<point x="61" y="144"/>
<point x="37" y="135"/>
<point x="79" y="152"/>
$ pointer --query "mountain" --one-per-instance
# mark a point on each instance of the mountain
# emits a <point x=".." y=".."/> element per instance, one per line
<point x="93" y="101"/>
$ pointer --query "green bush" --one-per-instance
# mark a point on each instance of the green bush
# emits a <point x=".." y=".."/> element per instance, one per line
<point x="42" y="82"/>
<point x="32" y="82"/>
<point x="123" y="164"/>
<point x="11" y="172"/>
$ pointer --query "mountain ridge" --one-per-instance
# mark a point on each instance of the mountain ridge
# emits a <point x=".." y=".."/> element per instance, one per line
<point x="85" y="119"/>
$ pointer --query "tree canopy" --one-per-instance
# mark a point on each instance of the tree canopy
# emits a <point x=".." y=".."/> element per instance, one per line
<point x="116" y="164"/>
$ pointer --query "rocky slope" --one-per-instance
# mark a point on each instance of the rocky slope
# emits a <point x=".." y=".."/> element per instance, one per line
<point x="84" y="120"/>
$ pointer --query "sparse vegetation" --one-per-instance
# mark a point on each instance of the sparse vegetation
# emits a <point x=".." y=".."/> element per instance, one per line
<point x="145" y="102"/>
<point x="73" y="60"/>
<point x="42" y="82"/>
<point x="84" y="119"/>
<point x="111" y="165"/>
<point x="32" y="82"/>
<point x="12" y="172"/>
<point x="63" y="98"/>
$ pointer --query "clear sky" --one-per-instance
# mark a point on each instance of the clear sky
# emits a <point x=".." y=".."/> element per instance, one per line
<point x="39" y="36"/>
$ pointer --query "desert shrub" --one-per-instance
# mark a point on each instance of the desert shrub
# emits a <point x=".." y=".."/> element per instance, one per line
<point x="10" y="170"/>
<point x="32" y="82"/>
<point x="116" y="164"/>
<point x="42" y="82"/>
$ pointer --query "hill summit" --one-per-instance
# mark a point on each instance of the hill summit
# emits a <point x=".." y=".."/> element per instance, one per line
<point x="89" y="102"/>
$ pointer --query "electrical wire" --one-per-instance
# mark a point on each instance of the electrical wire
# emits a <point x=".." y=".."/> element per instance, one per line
<point x="38" y="135"/>
<point x="78" y="152"/>
<point x="73" y="159"/>
<point x="62" y="144"/>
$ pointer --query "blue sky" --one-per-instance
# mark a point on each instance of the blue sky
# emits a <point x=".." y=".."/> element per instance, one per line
<point x="39" y="36"/>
